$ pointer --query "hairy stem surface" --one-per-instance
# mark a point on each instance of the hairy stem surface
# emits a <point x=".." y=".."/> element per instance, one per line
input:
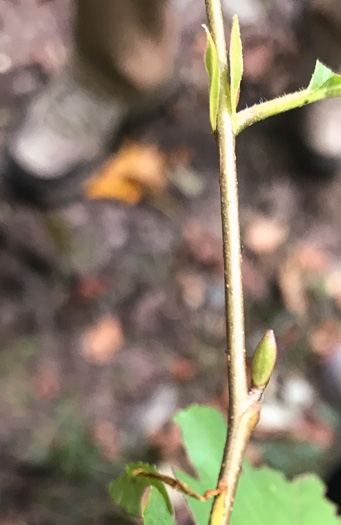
<point x="243" y="410"/>
<point x="261" y="111"/>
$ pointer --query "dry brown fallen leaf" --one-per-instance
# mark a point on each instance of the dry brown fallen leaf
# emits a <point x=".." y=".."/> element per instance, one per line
<point x="325" y="337"/>
<point x="134" y="171"/>
<point x="105" y="436"/>
<point x="182" y="369"/>
<point x="307" y="260"/>
<point x="166" y="440"/>
<point x="46" y="382"/>
<point x="90" y="287"/>
<point x="193" y="289"/>
<point x="202" y="246"/>
<point x="290" y="281"/>
<point x="264" y="235"/>
<point x="333" y="285"/>
<point x="311" y="258"/>
<point x="101" y="341"/>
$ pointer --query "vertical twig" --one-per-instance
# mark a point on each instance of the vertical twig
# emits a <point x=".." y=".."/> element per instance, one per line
<point x="243" y="407"/>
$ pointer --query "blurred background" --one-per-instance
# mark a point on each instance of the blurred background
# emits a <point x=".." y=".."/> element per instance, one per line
<point x="112" y="307"/>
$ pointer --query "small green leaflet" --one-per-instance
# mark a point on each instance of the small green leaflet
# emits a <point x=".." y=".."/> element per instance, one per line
<point x="323" y="78"/>
<point x="156" y="511"/>
<point x="128" y="489"/>
<point x="236" y="63"/>
<point x="211" y="63"/>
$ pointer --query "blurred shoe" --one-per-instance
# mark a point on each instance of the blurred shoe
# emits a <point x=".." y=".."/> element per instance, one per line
<point x="66" y="134"/>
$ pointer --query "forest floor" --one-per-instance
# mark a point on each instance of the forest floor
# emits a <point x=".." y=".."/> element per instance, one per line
<point x="112" y="308"/>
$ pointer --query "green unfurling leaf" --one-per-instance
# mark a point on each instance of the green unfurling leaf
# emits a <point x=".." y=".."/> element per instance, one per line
<point x="211" y="63"/>
<point x="323" y="77"/>
<point x="128" y="489"/>
<point x="236" y="63"/>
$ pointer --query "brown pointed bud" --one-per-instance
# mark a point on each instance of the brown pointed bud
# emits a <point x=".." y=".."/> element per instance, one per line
<point x="264" y="360"/>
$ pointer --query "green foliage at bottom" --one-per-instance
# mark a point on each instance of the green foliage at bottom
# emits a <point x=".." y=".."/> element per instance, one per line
<point x="204" y="433"/>
<point x="264" y="496"/>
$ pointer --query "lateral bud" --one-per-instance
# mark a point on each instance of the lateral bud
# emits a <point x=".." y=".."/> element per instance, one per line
<point x="264" y="360"/>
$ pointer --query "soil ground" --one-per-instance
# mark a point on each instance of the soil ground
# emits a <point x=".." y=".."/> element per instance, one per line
<point x="112" y="315"/>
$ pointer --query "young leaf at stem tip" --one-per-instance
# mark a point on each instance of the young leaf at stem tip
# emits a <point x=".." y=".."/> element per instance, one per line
<point x="236" y="63"/>
<point x="211" y="63"/>
<point x="323" y="77"/>
<point x="264" y="360"/>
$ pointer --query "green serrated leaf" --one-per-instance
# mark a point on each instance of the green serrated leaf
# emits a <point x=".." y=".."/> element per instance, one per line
<point x="266" y="497"/>
<point x="236" y="63"/>
<point x="211" y="63"/>
<point x="128" y="489"/>
<point x="204" y="434"/>
<point x="156" y="511"/>
<point x="323" y="77"/>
